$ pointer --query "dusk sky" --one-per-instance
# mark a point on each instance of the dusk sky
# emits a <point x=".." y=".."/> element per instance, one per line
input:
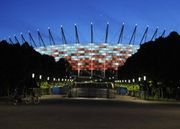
<point x="22" y="15"/>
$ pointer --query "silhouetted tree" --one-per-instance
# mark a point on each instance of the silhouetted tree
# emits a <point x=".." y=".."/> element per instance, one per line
<point x="18" y="62"/>
<point x="159" y="61"/>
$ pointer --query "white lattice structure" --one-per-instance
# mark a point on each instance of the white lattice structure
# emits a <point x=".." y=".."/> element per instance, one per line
<point x="91" y="56"/>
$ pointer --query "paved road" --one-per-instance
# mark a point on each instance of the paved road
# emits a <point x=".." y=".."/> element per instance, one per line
<point x="59" y="113"/>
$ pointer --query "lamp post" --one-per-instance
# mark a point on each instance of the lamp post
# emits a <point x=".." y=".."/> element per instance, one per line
<point x="133" y="80"/>
<point x="139" y="82"/>
<point x="34" y="81"/>
<point x="40" y="78"/>
<point x="129" y="81"/>
<point x="144" y="77"/>
<point x="146" y="88"/>
<point x="33" y="75"/>
<point x="48" y="79"/>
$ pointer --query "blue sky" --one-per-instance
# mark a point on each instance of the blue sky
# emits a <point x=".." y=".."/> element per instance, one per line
<point x="22" y="15"/>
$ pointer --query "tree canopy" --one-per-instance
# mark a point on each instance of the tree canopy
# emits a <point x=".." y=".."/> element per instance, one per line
<point x="18" y="62"/>
<point x="159" y="60"/>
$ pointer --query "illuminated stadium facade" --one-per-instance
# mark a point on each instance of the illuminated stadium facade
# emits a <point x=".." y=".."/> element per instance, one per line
<point x="90" y="56"/>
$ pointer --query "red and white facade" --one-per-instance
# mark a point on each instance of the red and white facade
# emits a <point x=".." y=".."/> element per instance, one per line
<point x="91" y="56"/>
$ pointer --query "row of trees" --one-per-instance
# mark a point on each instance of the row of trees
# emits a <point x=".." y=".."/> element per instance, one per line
<point x="18" y="62"/>
<point x="159" y="61"/>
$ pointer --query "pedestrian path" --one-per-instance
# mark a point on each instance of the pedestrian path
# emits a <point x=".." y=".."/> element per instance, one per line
<point x="138" y="100"/>
<point x="117" y="98"/>
<point x="4" y="100"/>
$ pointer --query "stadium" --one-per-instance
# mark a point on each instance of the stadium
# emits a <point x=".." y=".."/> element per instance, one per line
<point x="94" y="64"/>
<point x="90" y="57"/>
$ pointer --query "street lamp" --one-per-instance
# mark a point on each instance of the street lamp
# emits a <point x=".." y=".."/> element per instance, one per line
<point x="133" y="80"/>
<point x="146" y="88"/>
<point x="139" y="79"/>
<point x="40" y="77"/>
<point x="144" y="78"/>
<point x="48" y="78"/>
<point x="33" y="75"/>
<point x="129" y="81"/>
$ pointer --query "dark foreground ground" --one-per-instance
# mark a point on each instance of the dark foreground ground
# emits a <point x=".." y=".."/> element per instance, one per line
<point x="62" y="113"/>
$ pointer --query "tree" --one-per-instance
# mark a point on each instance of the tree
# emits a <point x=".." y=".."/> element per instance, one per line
<point x="18" y="62"/>
<point x="158" y="60"/>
